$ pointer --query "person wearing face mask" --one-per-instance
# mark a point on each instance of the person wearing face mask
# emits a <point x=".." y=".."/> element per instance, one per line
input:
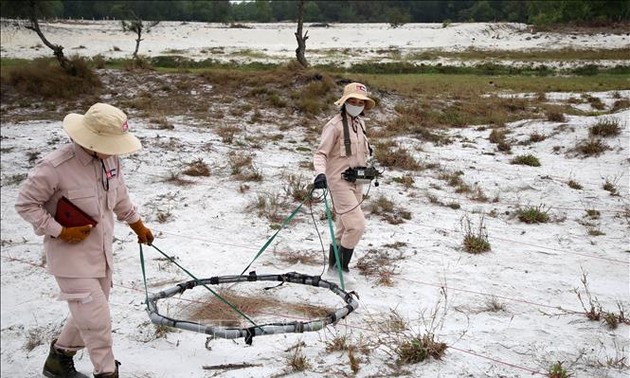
<point x="343" y="145"/>
<point x="88" y="173"/>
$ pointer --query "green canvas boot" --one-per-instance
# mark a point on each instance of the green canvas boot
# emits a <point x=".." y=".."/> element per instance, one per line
<point x="60" y="364"/>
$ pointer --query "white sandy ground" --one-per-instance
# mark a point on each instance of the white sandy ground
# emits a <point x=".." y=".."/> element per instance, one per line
<point x="340" y="43"/>
<point x="532" y="271"/>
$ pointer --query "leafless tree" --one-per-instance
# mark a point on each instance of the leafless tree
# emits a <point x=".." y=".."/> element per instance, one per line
<point x="34" y="9"/>
<point x="136" y="25"/>
<point x="301" y="38"/>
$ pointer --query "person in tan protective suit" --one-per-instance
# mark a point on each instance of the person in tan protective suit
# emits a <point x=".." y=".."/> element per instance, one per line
<point x="343" y="145"/>
<point x="86" y="171"/>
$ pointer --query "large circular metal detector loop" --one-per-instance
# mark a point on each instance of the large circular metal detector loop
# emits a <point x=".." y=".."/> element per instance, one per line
<point x="257" y="330"/>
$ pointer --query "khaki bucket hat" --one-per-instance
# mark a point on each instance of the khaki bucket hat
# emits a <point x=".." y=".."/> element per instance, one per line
<point x="356" y="90"/>
<point x="102" y="129"/>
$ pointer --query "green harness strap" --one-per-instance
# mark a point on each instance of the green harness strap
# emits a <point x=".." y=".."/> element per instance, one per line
<point x="284" y="223"/>
<point x="334" y="243"/>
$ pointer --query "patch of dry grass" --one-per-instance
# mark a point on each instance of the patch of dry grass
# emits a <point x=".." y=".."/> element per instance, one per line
<point x="380" y="265"/>
<point x="214" y="311"/>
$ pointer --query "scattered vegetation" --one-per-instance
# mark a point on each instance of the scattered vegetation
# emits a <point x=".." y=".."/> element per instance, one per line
<point x="606" y="127"/>
<point x="475" y="239"/>
<point x="404" y="344"/>
<point x="242" y="165"/>
<point x="297" y="361"/>
<point x="593" y="309"/>
<point x="44" y="78"/>
<point x="391" y="156"/>
<point x="529" y="159"/>
<point x="555" y="116"/>
<point x="498" y="137"/>
<point x="534" y="214"/>
<point x="386" y="209"/>
<point x="610" y="185"/>
<point x="380" y="264"/>
<point x="197" y="168"/>
<point x="574" y="184"/>
<point x="558" y="371"/>
<point x="591" y="147"/>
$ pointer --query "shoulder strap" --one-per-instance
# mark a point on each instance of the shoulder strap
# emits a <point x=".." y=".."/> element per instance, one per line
<point x="346" y="133"/>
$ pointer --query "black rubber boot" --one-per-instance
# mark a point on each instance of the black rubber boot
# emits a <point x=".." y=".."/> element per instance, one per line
<point x="346" y="256"/>
<point x="60" y="364"/>
<point x="109" y="375"/>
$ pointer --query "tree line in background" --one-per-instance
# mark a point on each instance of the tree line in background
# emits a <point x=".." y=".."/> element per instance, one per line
<point x="395" y="12"/>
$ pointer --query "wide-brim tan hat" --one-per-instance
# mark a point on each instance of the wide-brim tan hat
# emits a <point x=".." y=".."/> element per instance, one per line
<point x="102" y="129"/>
<point x="356" y="90"/>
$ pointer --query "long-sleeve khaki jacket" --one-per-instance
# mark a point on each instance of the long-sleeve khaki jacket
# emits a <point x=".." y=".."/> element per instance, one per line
<point x="330" y="157"/>
<point x="71" y="172"/>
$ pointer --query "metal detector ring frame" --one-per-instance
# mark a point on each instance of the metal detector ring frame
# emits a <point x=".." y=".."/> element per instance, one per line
<point x="265" y="329"/>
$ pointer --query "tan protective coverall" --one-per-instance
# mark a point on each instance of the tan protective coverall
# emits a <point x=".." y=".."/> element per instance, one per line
<point x="330" y="158"/>
<point x="84" y="270"/>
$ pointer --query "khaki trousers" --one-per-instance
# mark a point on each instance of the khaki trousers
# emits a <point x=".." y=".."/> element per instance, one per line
<point x="350" y="221"/>
<point x="89" y="323"/>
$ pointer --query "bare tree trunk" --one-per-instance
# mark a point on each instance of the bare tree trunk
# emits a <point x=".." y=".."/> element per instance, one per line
<point x="139" y="33"/>
<point x="301" y="38"/>
<point x="65" y="63"/>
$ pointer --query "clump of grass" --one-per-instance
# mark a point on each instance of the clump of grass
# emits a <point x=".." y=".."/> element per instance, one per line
<point x="574" y="185"/>
<point x="337" y="344"/>
<point x="298" y="361"/>
<point x="498" y="137"/>
<point x="380" y="265"/>
<point x="175" y="179"/>
<point x="595" y="102"/>
<point x="161" y="331"/>
<point x="299" y="257"/>
<point x="385" y="208"/>
<point x="536" y="137"/>
<point x="418" y="349"/>
<point x="297" y="187"/>
<point x="392" y="156"/>
<point x="227" y="133"/>
<point x="406" y="345"/>
<point x="268" y="206"/>
<point x="534" y="214"/>
<point x="593" y="309"/>
<point x="558" y="371"/>
<point x="607" y="127"/>
<point x="610" y="185"/>
<point x="406" y="181"/>
<point x="593" y="213"/>
<point x="493" y="305"/>
<point x="197" y="168"/>
<point x="555" y="116"/>
<point x="620" y="105"/>
<point x="591" y="147"/>
<point x="529" y="160"/>
<point x="475" y="239"/>
<point x="243" y="168"/>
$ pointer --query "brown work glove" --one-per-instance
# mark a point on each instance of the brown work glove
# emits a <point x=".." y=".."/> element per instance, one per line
<point x="144" y="234"/>
<point x="74" y="235"/>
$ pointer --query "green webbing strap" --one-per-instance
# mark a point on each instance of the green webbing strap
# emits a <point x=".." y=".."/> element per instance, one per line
<point x="284" y="223"/>
<point x="334" y="243"/>
<point x="144" y="278"/>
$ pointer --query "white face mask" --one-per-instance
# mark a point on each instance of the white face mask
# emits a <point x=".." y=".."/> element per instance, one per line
<point x="354" y="110"/>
